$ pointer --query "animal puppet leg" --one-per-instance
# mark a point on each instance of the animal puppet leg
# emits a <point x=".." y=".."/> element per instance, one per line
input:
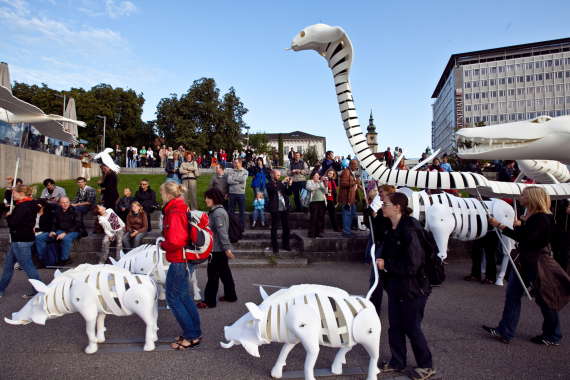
<point x="339" y="360"/>
<point x="277" y="370"/>
<point x="84" y="300"/>
<point x="140" y="301"/>
<point x="101" y="328"/>
<point x="305" y="323"/>
<point x="366" y="330"/>
<point x="195" y="288"/>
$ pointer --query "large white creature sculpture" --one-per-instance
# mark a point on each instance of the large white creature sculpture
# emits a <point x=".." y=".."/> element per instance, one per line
<point x="465" y="219"/>
<point x="94" y="291"/>
<point x="150" y="259"/>
<point x="312" y="315"/>
<point x="107" y="160"/>
<point x="335" y="46"/>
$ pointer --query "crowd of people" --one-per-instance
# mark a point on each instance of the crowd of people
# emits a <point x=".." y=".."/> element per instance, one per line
<point x="54" y="221"/>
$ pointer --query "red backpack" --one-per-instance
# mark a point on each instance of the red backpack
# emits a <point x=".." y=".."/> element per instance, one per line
<point x="201" y="238"/>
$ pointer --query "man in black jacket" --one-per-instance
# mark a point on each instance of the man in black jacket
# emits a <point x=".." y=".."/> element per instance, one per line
<point x="279" y="192"/>
<point x="65" y="230"/>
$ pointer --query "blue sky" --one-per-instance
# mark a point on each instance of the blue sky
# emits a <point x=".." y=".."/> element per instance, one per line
<point x="160" y="47"/>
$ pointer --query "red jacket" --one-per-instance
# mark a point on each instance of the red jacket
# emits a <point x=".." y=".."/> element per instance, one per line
<point x="175" y="230"/>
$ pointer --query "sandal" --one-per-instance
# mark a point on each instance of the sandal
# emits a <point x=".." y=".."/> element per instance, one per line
<point x="180" y="346"/>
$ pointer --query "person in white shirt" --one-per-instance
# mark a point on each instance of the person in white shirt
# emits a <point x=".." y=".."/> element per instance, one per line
<point x="114" y="229"/>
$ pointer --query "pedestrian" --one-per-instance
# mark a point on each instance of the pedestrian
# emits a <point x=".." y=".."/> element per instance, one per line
<point x="218" y="265"/>
<point x="317" y="204"/>
<point x="172" y="168"/>
<point x="85" y="198"/>
<point x="142" y="157"/>
<point x="408" y="288"/>
<point x="175" y="234"/>
<point x="124" y="204"/>
<point x="114" y="229"/>
<point x="147" y="198"/>
<point x="85" y="166"/>
<point x="136" y="227"/>
<point x="162" y="153"/>
<point x="533" y="234"/>
<point x="348" y="197"/>
<point x="220" y="181"/>
<point x="329" y="162"/>
<point x="445" y="165"/>
<point x="237" y="178"/>
<point x="189" y="172"/>
<point x="130" y="157"/>
<point x="331" y="196"/>
<point x="51" y="192"/>
<point x="298" y="171"/>
<point x="388" y="158"/>
<point x="21" y="222"/>
<point x="279" y="192"/>
<point x="260" y="175"/>
<point x="65" y="230"/>
<point x="291" y="155"/>
<point x="258" y="210"/>
<point x="109" y="192"/>
<point x="508" y="172"/>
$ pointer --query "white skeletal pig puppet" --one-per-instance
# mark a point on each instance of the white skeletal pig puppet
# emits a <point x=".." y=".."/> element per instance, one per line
<point x="312" y="315"/>
<point x="94" y="291"/>
<point x="150" y="258"/>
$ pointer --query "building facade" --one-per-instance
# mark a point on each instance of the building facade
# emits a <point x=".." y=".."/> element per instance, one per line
<point x="501" y="85"/>
<point x="299" y="141"/>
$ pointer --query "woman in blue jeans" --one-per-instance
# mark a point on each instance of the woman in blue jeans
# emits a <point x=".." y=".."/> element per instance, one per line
<point x="533" y="235"/>
<point x="21" y="222"/>
<point x="175" y="233"/>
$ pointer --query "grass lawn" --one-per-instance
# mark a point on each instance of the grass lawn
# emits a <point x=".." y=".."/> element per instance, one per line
<point x="132" y="181"/>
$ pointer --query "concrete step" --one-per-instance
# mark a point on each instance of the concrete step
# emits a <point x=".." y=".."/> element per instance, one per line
<point x="266" y="252"/>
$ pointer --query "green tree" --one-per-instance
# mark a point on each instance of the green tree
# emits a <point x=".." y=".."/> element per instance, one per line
<point x="311" y="157"/>
<point x="280" y="148"/>
<point x="259" y="142"/>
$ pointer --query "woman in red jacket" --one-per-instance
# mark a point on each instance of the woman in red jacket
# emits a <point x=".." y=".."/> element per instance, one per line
<point x="175" y="233"/>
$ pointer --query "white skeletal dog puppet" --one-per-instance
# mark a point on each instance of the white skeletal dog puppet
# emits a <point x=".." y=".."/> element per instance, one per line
<point x="312" y="315"/>
<point x="94" y="291"/>
<point x="107" y="160"/>
<point x="150" y="258"/>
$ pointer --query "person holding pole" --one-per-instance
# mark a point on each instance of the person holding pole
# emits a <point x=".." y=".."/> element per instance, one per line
<point x="533" y="234"/>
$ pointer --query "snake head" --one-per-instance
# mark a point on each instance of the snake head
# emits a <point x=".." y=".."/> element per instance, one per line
<point x="316" y="37"/>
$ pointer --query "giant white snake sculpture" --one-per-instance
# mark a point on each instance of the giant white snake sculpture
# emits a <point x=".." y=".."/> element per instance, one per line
<point x="335" y="46"/>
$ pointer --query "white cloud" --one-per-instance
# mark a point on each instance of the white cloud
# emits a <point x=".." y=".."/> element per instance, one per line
<point x="117" y="9"/>
<point x="19" y="6"/>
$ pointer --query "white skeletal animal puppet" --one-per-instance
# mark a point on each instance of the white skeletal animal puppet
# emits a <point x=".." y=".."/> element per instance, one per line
<point x="465" y="219"/>
<point x="150" y="258"/>
<point x="334" y="45"/>
<point x="312" y="315"/>
<point x="105" y="157"/>
<point x="94" y="291"/>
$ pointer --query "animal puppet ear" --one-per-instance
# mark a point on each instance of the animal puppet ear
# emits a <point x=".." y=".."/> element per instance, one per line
<point x="263" y="293"/>
<point x="254" y="310"/>
<point x="39" y="286"/>
<point x="57" y="273"/>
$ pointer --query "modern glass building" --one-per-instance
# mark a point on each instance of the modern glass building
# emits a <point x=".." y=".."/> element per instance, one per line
<point x="501" y="85"/>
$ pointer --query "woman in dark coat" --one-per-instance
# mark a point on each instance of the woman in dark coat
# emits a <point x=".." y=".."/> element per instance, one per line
<point x="408" y="288"/>
<point x="109" y="192"/>
<point x="533" y="234"/>
<point x="147" y="198"/>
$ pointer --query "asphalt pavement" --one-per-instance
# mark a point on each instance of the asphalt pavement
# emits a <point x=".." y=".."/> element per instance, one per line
<point x="455" y="312"/>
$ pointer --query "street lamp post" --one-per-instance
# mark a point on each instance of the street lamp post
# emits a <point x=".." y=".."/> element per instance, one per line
<point x="247" y="127"/>
<point x="104" y="128"/>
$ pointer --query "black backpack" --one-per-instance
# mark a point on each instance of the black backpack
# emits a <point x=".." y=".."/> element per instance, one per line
<point x="434" y="268"/>
<point x="235" y="230"/>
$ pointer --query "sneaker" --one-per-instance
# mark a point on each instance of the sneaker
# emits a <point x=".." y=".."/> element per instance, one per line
<point x="423" y="373"/>
<point x="387" y="368"/>
<point x="499" y="282"/>
<point x="17" y="266"/>
<point x="253" y="225"/>
<point x="496" y="334"/>
<point x="539" y="339"/>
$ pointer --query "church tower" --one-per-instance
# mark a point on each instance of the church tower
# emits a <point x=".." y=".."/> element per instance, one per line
<point x="371" y="135"/>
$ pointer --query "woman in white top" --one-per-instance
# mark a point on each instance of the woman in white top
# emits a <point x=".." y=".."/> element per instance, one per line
<point x="114" y="229"/>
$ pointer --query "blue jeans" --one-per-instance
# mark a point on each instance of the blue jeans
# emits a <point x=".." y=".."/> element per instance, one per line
<point x="239" y="200"/>
<point x="179" y="300"/>
<point x="66" y="243"/>
<point x="512" y="311"/>
<point x="258" y="215"/>
<point x="348" y="214"/>
<point x="22" y="253"/>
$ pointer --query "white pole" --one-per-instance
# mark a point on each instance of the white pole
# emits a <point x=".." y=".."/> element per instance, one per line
<point x="372" y="247"/>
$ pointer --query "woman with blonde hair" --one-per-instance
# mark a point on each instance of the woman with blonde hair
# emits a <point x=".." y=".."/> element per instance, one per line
<point x="175" y="233"/>
<point x="21" y="221"/>
<point x="533" y="233"/>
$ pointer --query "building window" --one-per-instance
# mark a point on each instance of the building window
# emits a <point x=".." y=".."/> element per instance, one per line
<point x="559" y="113"/>
<point x="476" y="72"/>
<point x="494" y="118"/>
<point x="501" y="69"/>
<point x="568" y="72"/>
<point x="468" y="120"/>
<point x="568" y="100"/>
<point x="467" y="84"/>
<point x="512" y="117"/>
<point x="559" y="74"/>
<point x="539" y="90"/>
<point x="468" y="108"/>
<point x="483" y="95"/>
<point x="502" y="81"/>
<point x="567" y="86"/>
<point x="476" y="83"/>
<point x="477" y="119"/>
<point x="529" y="102"/>
<point x="538" y="65"/>
<point x="493" y="94"/>
<point x="559" y="88"/>
<point x="502" y="106"/>
<point x="519" y="66"/>
<point x="548" y="63"/>
<point x="475" y="107"/>
<point x="549" y="102"/>
<point x="539" y="102"/>
<point x="538" y="77"/>
<point x="484" y="71"/>
<point x="467" y="96"/>
<point x="491" y="106"/>
<point x="520" y="91"/>
<point x="529" y="66"/>
<point x="511" y="104"/>
<point x="510" y="80"/>
<point x="511" y="92"/>
<point x="522" y="103"/>
<point x="557" y="62"/>
<point x="485" y="107"/>
<point x="520" y="116"/>
<point x="476" y="95"/>
<point x="493" y="70"/>
<point x="484" y="82"/>
<point x="529" y="78"/>
<point x="501" y="92"/>
<point x="467" y="73"/>
<point x="567" y="61"/>
<point x="484" y="119"/>
<point x="520" y="79"/>
<point x="560" y="101"/>
<point x="503" y="118"/>
<point x="492" y="82"/>
<point x="510" y="68"/>
<point x="530" y="90"/>
<point x="550" y="88"/>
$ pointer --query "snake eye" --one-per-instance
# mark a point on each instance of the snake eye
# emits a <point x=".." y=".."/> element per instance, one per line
<point x="302" y="33"/>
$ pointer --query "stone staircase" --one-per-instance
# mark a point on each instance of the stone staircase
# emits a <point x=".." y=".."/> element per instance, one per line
<point x="254" y="249"/>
